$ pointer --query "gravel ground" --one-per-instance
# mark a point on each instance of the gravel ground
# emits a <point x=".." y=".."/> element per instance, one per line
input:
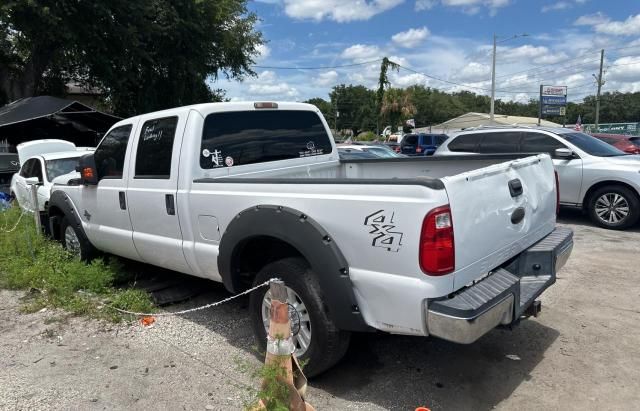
<point x="583" y="352"/>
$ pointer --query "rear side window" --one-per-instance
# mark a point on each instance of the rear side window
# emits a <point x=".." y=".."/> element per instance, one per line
<point x="249" y="137"/>
<point x="501" y="142"/>
<point x="410" y="140"/>
<point x="155" y="147"/>
<point x="539" y="143"/>
<point x="32" y="168"/>
<point x="465" y="143"/>
<point x="109" y="156"/>
<point x="440" y="139"/>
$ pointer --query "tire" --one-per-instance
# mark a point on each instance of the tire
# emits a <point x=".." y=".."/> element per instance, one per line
<point x="78" y="246"/>
<point x="327" y="344"/>
<point x="614" y="207"/>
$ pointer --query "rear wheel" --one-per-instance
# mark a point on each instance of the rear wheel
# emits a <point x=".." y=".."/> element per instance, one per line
<point x="318" y="342"/>
<point x="614" y="207"/>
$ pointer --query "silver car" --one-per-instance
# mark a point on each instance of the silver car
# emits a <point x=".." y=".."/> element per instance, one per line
<point x="593" y="175"/>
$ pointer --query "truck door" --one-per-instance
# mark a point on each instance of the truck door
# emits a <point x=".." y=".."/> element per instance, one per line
<point x="152" y="189"/>
<point x="104" y="207"/>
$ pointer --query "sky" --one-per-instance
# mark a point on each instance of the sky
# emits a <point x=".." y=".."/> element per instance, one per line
<point x="444" y="44"/>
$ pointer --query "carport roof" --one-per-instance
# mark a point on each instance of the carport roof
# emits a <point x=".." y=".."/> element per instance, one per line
<point x="56" y="109"/>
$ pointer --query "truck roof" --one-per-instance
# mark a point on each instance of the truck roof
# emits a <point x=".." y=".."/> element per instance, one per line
<point x="225" y="106"/>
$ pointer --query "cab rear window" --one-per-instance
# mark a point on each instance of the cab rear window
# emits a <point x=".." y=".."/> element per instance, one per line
<point x="249" y="137"/>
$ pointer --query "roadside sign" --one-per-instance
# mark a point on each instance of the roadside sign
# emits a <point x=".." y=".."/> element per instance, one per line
<point x="554" y="110"/>
<point x="630" y="129"/>
<point x="554" y="100"/>
<point x="554" y="91"/>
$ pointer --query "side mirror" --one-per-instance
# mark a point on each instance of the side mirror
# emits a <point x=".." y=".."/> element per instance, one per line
<point x="87" y="168"/>
<point x="563" y="153"/>
<point x="32" y="181"/>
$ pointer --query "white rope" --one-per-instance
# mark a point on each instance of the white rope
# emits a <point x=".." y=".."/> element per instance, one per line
<point x="4" y="229"/>
<point x="197" y="308"/>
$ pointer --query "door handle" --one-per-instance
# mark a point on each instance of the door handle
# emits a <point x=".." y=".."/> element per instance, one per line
<point x="123" y="200"/>
<point x="170" y="204"/>
<point x="515" y="187"/>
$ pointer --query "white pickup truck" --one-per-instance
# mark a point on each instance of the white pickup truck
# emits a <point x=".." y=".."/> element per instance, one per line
<point x="243" y="192"/>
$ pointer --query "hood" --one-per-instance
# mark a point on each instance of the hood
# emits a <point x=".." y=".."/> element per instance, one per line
<point x="65" y="178"/>
<point x="38" y="147"/>
<point x="632" y="160"/>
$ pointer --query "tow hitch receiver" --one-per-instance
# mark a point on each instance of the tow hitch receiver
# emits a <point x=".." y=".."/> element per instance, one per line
<point x="534" y="309"/>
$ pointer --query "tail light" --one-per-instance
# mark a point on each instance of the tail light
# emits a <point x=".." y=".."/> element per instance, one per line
<point x="418" y="149"/>
<point x="557" y="193"/>
<point x="437" y="249"/>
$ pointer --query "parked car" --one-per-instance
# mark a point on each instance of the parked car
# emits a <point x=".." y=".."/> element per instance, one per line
<point x="628" y="144"/>
<point x="594" y="176"/>
<point x="42" y="162"/>
<point x="351" y="151"/>
<point x="240" y="192"/>
<point x="9" y="165"/>
<point x="421" y="144"/>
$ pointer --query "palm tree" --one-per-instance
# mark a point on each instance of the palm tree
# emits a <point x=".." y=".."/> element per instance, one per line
<point x="397" y="105"/>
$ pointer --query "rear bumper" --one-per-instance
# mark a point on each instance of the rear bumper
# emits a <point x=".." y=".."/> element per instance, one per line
<point x="502" y="297"/>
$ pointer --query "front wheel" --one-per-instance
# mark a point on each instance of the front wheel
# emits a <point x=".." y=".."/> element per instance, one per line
<point x="74" y="241"/>
<point x="614" y="207"/>
<point x="319" y="343"/>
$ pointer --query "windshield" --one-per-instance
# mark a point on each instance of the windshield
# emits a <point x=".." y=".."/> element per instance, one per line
<point x="592" y="145"/>
<point x="60" y="166"/>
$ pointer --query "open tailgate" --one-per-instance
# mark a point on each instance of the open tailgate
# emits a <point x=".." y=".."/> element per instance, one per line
<point x="498" y="212"/>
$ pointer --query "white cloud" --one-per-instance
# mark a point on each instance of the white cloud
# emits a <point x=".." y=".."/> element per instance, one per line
<point x="410" y="38"/>
<point x="562" y="5"/>
<point x="338" y="10"/>
<point x="268" y="85"/>
<point x="624" y="69"/>
<point x="473" y="72"/>
<point x="361" y="52"/>
<point x="264" y="51"/>
<point x="424" y="5"/>
<point x="604" y="25"/>
<point x="328" y="78"/>
<point x="591" y="19"/>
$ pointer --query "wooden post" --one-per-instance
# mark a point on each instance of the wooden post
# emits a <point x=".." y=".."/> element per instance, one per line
<point x="36" y="209"/>
<point x="280" y="348"/>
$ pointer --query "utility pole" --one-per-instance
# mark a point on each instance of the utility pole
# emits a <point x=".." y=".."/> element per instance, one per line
<point x="493" y="80"/>
<point x="600" y="83"/>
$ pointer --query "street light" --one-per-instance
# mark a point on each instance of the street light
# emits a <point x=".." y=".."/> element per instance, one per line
<point x="493" y="69"/>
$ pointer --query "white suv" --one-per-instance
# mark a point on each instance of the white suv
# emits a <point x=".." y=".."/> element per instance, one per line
<point x="593" y="175"/>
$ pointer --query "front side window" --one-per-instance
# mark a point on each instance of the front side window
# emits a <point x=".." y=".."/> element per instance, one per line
<point x="109" y="156"/>
<point x="249" y="137"/>
<point x="155" y="148"/>
<point x="465" y="143"/>
<point x="539" y="143"/>
<point x="27" y="167"/>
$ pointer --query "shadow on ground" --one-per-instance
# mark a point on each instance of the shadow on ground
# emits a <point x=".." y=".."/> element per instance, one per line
<point x="396" y="372"/>
<point x="579" y="218"/>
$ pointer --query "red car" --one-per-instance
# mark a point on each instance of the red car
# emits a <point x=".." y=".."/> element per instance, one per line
<point x="628" y="144"/>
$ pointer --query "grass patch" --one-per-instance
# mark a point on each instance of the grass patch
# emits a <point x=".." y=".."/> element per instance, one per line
<point x="57" y="279"/>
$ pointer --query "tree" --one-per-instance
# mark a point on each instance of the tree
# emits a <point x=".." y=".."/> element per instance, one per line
<point x="356" y="108"/>
<point x="397" y="106"/>
<point x="324" y="106"/>
<point x="144" y="55"/>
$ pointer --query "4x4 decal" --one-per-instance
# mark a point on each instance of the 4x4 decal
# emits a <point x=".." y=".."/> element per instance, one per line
<point x="381" y="224"/>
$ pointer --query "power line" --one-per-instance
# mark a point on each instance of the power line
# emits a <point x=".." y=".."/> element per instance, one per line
<point x="318" y="67"/>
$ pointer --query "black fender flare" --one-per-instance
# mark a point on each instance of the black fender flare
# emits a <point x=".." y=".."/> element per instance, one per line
<point x="60" y="200"/>
<point x="311" y="240"/>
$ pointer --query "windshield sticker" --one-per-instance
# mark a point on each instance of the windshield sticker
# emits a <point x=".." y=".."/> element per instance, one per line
<point x="216" y="157"/>
<point x="228" y="161"/>
<point x="381" y="225"/>
<point x="311" y="150"/>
